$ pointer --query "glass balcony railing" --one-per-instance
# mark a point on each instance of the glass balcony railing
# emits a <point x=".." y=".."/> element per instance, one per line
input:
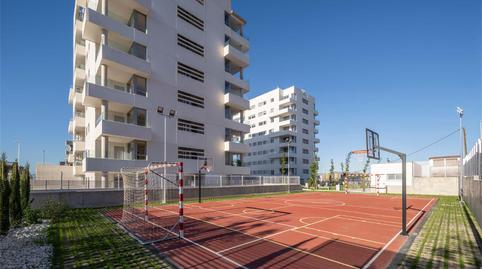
<point x="121" y="119"/>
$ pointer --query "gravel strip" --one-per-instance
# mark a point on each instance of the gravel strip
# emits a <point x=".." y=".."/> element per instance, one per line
<point x="26" y="247"/>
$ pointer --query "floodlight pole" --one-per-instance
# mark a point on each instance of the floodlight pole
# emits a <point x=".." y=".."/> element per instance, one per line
<point x="403" y="157"/>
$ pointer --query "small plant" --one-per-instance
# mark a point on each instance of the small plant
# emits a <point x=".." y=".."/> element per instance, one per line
<point x="15" y="205"/>
<point x="4" y="196"/>
<point x="31" y="216"/>
<point x="53" y="210"/>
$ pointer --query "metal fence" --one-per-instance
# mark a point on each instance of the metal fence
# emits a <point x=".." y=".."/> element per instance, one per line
<point x="473" y="161"/>
<point x="190" y="181"/>
<point x="472" y="182"/>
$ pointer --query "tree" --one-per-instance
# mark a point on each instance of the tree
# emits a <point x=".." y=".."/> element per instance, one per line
<point x="283" y="164"/>
<point x="4" y="196"/>
<point x="313" y="179"/>
<point x="347" y="162"/>
<point x="332" y="172"/>
<point x="365" y="169"/>
<point x="342" y="166"/>
<point x="15" y="204"/>
<point x="25" y="187"/>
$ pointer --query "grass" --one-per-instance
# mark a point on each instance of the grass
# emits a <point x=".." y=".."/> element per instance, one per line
<point x="84" y="238"/>
<point x="446" y="240"/>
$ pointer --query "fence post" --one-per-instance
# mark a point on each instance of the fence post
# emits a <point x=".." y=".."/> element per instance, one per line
<point x="45" y="184"/>
<point x="220" y="181"/>
<point x="61" y="180"/>
<point x="242" y="180"/>
<point x="261" y="180"/>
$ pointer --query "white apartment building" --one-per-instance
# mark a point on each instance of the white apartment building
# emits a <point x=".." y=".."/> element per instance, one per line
<point x="276" y="117"/>
<point x="137" y="61"/>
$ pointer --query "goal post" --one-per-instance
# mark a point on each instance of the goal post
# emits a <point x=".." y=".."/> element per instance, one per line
<point x="144" y="192"/>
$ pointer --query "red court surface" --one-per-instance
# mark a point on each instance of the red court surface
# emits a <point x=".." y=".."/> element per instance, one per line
<point x="303" y="230"/>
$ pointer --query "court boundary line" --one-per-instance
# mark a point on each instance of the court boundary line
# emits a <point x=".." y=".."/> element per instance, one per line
<point x="274" y="242"/>
<point x="195" y="243"/>
<point x="379" y="253"/>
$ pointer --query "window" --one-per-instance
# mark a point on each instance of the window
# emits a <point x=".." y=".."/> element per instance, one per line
<point x="190" y="45"/>
<point x="306" y="151"/>
<point x="305" y="121"/>
<point x="305" y="141"/>
<point x="251" y="117"/>
<point x="305" y="101"/>
<point x="306" y="161"/>
<point x="137" y="150"/>
<point x="272" y="100"/>
<point x="190" y="99"/>
<point x="189" y="153"/>
<point x="262" y="123"/>
<point x="394" y="176"/>
<point x="305" y="171"/>
<point x="137" y="85"/>
<point x="137" y="116"/>
<point x="190" y="126"/>
<point x="190" y="72"/>
<point x="138" y="21"/>
<point x="305" y="111"/>
<point x="138" y="50"/>
<point x="190" y="18"/>
<point x="305" y="131"/>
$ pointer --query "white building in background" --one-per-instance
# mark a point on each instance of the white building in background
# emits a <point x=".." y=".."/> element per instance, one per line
<point x="390" y="174"/>
<point x="136" y="60"/>
<point x="276" y="117"/>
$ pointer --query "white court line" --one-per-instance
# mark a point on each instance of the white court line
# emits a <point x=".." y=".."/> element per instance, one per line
<point x="372" y="222"/>
<point x="378" y="220"/>
<point x="194" y="243"/>
<point x="340" y="210"/>
<point x="372" y="260"/>
<point x="271" y="241"/>
<point x="271" y="235"/>
<point x="344" y="235"/>
<point x="263" y="211"/>
<point x="336" y="240"/>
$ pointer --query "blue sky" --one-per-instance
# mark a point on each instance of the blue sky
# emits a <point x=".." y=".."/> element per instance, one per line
<point x="398" y="67"/>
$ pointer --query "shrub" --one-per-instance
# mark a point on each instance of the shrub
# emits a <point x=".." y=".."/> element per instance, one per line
<point x="4" y="197"/>
<point x="25" y="187"/>
<point x="15" y="206"/>
<point x="53" y="210"/>
<point x="31" y="216"/>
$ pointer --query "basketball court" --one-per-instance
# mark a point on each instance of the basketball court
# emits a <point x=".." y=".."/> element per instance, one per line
<point x="303" y="230"/>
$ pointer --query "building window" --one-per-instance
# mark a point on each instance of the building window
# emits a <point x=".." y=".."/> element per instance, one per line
<point x="305" y="101"/>
<point x="305" y="121"/>
<point x="305" y="131"/>
<point x="190" y="18"/>
<point x="233" y="159"/>
<point x="137" y="85"/>
<point x="190" y="45"/>
<point x="305" y="111"/>
<point x="305" y="141"/>
<point x="190" y="99"/>
<point x="306" y="161"/>
<point x="138" y="21"/>
<point x="189" y="153"/>
<point x="305" y="171"/>
<point x="190" y="126"/>
<point x="190" y="72"/>
<point x="394" y="176"/>
<point x="306" y="151"/>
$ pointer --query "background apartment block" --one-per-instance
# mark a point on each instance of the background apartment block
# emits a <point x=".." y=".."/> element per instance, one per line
<point x="275" y="117"/>
<point x="135" y="61"/>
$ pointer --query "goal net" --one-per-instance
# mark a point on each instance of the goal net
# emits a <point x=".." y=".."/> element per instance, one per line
<point x="147" y="212"/>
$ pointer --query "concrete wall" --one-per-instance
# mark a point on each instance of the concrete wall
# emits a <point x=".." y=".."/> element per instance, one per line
<point x="54" y="172"/>
<point x="429" y="185"/>
<point x="472" y="192"/>
<point x="105" y="198"/>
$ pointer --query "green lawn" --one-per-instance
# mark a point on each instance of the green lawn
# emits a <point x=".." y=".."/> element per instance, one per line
<point x="85" y="238"/>
<point x="446" y="240"/>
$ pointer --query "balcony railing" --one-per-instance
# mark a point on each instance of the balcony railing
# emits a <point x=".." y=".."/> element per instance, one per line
<point x="125" y="120"/>
<point x="123" y="156"/>
<point x="124" y="87"/>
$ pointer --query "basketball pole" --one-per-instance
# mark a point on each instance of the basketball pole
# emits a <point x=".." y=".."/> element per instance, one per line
<point x="403" y="157"/>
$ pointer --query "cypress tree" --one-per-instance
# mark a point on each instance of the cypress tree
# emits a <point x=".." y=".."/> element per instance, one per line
<point x="4" y="196"/>
<point x="15" y="205"/>
<point x="25" y="187"/>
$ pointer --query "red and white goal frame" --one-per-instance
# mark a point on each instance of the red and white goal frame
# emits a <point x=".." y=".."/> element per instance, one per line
<point x="145" y="190"/>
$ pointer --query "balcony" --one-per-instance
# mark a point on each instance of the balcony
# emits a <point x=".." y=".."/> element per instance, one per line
<point x="316" y="131"/>
<point x="78" y="122"/>
<point x="79" y="72"/>
<point x="316" y="150"/>
<point x="286" y="123"/>
<point x="236" y="125"/>
<point x="284" y="112"/>
<point x="92" y="164"/>
<point x="121" y="129"/>
<point x="120" y="59"/>
<point x="236" y="147"/>
<point x="71" y="127"/>
<point x="235" y="55"/>
<point x="80" y="47"/>
<point x="282" y="133"/>
<point x="287" y="100"/>
<point x="94" y="94"/>
<point x="78" y="145"/>
<point x="75" y="96"/>
<point x="234" y="28"/>
<point x="317" y="140"/>
<point x="236" y="101"/>
<point x="95" y="21"/>
<point x="315" y="112"/>
<point x="317" y="122"/>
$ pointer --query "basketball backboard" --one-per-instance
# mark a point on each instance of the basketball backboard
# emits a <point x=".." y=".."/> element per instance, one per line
<point x="205" y="164"/>
<point x="373" y="144"/>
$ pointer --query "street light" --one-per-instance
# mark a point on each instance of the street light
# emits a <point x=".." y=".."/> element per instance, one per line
<point x="172" y="114"/>
<point x="288" y="141"/>
<point x="460" y="111"/>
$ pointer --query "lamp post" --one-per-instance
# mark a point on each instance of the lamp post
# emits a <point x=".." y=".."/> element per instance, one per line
<point x="170" y="115"/>
<point x="289" y="141"/>
<point x="460" y="111"/>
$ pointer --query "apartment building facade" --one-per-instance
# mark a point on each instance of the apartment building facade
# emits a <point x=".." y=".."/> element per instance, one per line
<point x="151" y="73"/>
<point x="282" y="120"/>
